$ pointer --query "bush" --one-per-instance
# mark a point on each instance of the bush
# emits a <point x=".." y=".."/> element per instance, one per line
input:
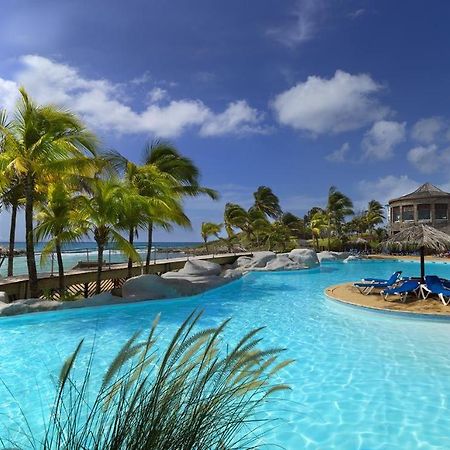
<point x="195" y="395"/>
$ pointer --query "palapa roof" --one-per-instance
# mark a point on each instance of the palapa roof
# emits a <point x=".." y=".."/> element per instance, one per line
<point x="425" y="191"/>
<point x="420" y="236"/>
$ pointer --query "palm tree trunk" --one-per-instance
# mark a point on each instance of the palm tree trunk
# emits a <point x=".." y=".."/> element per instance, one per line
<point x="61" y="281"/>
<point x="12" y="239"/>
<point x="31" y="262"/>
<point x="130" y="261"/>
<point x="329" y="235"/>
<point x="100" y="250"/>
<point x="149" y="246"/>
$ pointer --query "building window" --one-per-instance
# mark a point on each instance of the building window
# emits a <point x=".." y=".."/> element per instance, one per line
<point x="408" y="213"/>
<point x="441" y="211"/>
<point x="396" y="214"/>
<point x="424" y="212"/>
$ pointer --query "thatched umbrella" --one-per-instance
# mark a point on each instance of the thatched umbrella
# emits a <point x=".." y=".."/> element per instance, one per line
<point x="421" y="237"/>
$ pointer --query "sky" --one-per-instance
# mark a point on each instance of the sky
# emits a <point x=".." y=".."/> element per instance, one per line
<point x="297" y="95"/>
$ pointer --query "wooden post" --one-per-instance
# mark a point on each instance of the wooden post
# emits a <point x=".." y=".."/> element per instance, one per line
<point x="422" y="264"/>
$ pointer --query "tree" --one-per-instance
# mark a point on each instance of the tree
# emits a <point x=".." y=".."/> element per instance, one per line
<point x="43" y="142"/>
<point x="167" y="159"/>
<point x="318" y="223"/>
<point x="267" y="202"/>
<point x="101" y="212"/>
<point x="375" y="214"/>
<point x="338" y="207"/>
<point x="210" y="229"/>
<point x="161" y="157"/>
<point x="59" y="221"/>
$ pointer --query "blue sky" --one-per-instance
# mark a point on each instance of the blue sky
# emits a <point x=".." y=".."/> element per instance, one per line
<point x="296" y="95"/>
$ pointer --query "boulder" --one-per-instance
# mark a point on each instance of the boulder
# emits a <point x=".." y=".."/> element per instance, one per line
<point x="198" y="267"/>
<point x="232" y="273"/>
<point x="4" y="297"/>
<point x="304" y="256"/>
<point x="148" y="287"/>
<point x="243" y="261"/>
<point x="351" y="258"/>
<point x="326" y="256"/>
<point x="283" y="262"/>
<point x="260" y="259"/>
<point x="27" y="306"/>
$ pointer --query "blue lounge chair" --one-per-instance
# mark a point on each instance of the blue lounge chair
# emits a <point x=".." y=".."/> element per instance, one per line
<point x="382" y="280"/>
<point x="434" y="285"/>
<point x="403" y="289"/>
<point x="367" y="287"/>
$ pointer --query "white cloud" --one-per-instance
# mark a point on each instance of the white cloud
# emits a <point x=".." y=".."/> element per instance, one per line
<point x="427" y="159"/>
<point x="157" y="94"/>
<point x="306" y="17"/>
<point x="103" y="104"/>
<point x="380" y="141"/>
<point x="339" y="154"/>
<point x="427" y="130"/>
<point x="386" y="188"/>
<point x="238" y="116"/>
<point x="8" y="94"/>
<point x="357" y="13"/>
<point x="342" y="103"/>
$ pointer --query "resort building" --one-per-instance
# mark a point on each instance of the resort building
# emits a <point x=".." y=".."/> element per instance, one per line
<point x="428" y="204"/>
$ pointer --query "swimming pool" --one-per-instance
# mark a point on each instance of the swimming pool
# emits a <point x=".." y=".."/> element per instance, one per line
<point x="362" y="379"/>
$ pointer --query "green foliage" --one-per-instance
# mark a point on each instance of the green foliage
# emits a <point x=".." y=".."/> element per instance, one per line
<point x="196" y="394"/>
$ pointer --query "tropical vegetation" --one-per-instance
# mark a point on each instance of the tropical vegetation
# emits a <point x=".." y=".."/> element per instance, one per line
<point x="53" y="167"/>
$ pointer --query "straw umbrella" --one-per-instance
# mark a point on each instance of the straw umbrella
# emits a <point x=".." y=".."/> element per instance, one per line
<point x="422" y="237"/>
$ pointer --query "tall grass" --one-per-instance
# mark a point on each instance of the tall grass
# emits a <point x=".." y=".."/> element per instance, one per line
<point x="197" y="394"/>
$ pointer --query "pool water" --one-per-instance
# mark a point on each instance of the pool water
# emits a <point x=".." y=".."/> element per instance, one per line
<point x="361" y="380"/>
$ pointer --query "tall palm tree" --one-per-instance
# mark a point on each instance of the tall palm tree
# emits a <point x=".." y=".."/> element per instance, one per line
<point x="42" y="142"/>
<point x="210" y="229"/>
<point x="235" y="216"/>
<point x="375" y="214"/>
<point x="59" y="221"/>
<point x="318" y="223"/>
<point x="162" y="158"/>
<point x="12" y="199"/>
<point x="267" y="202"/>
<point x="167" y="159"/>
<point x="101" y="211"/>
<point x="338" y="207"/>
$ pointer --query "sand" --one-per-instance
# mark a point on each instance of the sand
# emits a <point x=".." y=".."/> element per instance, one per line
<point x="346" y="293"/>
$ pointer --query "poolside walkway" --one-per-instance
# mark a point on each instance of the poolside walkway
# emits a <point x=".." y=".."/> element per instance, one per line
<point x="347" y="293"/>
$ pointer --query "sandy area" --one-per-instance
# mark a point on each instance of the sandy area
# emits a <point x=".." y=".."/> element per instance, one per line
<point x="410" y="258"/>
<point x="348" y="294"/>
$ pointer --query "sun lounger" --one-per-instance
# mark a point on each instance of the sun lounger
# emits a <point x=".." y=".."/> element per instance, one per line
<point x="367" y="287"/>
<point x="382" y="280"/>
<point x="403" y="289"/>
<point x="434" y="285"/>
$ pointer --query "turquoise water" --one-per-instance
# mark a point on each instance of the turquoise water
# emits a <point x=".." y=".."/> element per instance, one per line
<point x="362" y="380"/>
<point x="87" y="251"/>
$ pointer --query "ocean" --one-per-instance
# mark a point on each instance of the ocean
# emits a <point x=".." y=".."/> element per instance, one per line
<point x="87" y="251"/>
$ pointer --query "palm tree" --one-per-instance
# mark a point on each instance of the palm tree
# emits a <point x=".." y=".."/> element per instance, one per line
<point x="161" y="157"/>
<point x="59" y="220"/>
<point x="338" y="207"/>
<point x="318" y="223"/>
<point x="235" y="217"/>
<point x="167" y="159"/>
<point x="210" y="229"/>
<point x="12" y="199"/>
<point x="101" y="212"/>
<point x="43" y="142"/>
<point x="375" y="214"/>
<point x="267" y="202"/>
